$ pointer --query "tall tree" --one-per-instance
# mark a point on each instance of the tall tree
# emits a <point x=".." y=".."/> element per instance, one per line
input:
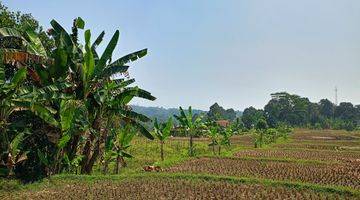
<point x="326" y="108"/>
<point x="251" y="116"/>
<point x="217" y="112"/>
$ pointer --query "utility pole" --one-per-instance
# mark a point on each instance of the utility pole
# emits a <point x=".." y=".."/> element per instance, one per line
<point x="336" y="96"/>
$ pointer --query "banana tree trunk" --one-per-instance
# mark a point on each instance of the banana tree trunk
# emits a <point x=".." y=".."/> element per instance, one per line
<point x="261" y="139"/>
<point x="106" y="166"/>
<point x="10" y="165"/>
<point x="98" y="150"/>
<point x="90" y="159"/>
<point x="86" y="154"/>
<point x="73" y="147"/>
<point x="162" y="150"/>
<point x="120" y="161"/>
<point x="191" y="151"/>
<point x="213" y="146"/>
<point x="116" y="169"/>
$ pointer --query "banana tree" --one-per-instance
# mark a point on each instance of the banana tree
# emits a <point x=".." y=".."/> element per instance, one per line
<point x="261" y="127"/>
<point x="162" y="132"/>
<point x="117" y="146"/>
<point x="190" y="123"/>
<point x="111" y="101"/>
<point x="226" y="134"/>
<point x="97" y="82"/>
<point x="237" y="126"/>
<point x="14" y="154"/>
<point x="90" y="76"/>
<point x="25" y="91"/>
<point x="213" y="133"/>
<point x="122" y="144"/>
<point x="14" y="97"/>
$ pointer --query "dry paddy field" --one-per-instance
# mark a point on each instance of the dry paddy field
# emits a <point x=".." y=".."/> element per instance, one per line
<point x="310" y="165"/>
<point x="166" y="188"/>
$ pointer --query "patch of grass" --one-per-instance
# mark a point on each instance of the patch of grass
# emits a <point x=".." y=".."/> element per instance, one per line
<point x="147" y="152"/>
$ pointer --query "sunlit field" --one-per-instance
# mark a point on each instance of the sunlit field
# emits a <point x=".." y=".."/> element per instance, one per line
<point x="289" y="169"/>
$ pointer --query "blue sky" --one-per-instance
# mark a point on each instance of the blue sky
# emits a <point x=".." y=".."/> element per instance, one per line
<point x="234" y="52"/>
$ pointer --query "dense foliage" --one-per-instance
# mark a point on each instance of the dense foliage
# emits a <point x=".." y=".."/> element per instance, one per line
<point x="64" y="107"/>
<point x="217" y="112"/>
<point x="298" y="111"/>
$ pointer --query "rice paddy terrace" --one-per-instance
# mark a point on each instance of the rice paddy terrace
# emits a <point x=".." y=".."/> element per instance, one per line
<point x="309" y="165"/>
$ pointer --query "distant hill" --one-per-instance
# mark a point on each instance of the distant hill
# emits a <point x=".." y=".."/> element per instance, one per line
<point x="162" y="114"/>
<point x="238" y="113"/>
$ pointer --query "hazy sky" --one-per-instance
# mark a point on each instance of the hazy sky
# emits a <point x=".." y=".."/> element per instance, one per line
<point x="234" y="52"/>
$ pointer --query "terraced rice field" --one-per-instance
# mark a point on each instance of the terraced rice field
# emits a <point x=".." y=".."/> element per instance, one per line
<point x="310" y="165"/>
<point x="339" y="174"/>
<point x="304" y="154"/>
<point x="176" y="189"/>
<point x="333" y="146"/>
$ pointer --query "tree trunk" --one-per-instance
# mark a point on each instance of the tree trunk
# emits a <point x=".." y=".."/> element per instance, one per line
<point x="191" y="153"/>
<point x="98" y="151"/>
<point x="93" y="158"/>
<point x="219" y="150"/>
<point x="213" y="146"/>
<point x="162" y="150"/>
<point x="86" y="154"/>
<point x="106" y="167"/>
<point x="122" y="162"/>
<point x="119" y="162"/>
<point x="116" y="169"/>
<point x="74" y="146"/>
<point x="89" y="159"/>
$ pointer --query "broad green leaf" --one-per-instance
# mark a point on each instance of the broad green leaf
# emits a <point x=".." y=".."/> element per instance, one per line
<point x="67" y="111"/>
<point x="44" y="114"/>
<point x="15" y="143"/>
<point x="18" y="77"/>
<point x="130" y="57"/>
<point x="107" y="54"/>
<point x="141" y="129"/>
<point x="10" y="32"/>
<point x="167" y="129"/>
<point x="126" y="155"/>
<point x="96" y="43"/>
<point x="136" y="116"/>
<point x="89" y="58"/>
<point x="156" y="124"/>
<point x="80" y="23"/>
<point x="36" y="44"/>
<point x="113" y="70"/>
<point x="64" y="140"/>
<point x="60" y="67"/>
<point x="61" y="31"/>
<point x="66" y="159"/>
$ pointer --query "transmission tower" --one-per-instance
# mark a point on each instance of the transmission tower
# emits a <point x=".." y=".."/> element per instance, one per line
<point x="336" y="96"/>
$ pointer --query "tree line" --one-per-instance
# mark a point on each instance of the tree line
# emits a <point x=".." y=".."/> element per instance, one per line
<point x="297" y="111"/>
